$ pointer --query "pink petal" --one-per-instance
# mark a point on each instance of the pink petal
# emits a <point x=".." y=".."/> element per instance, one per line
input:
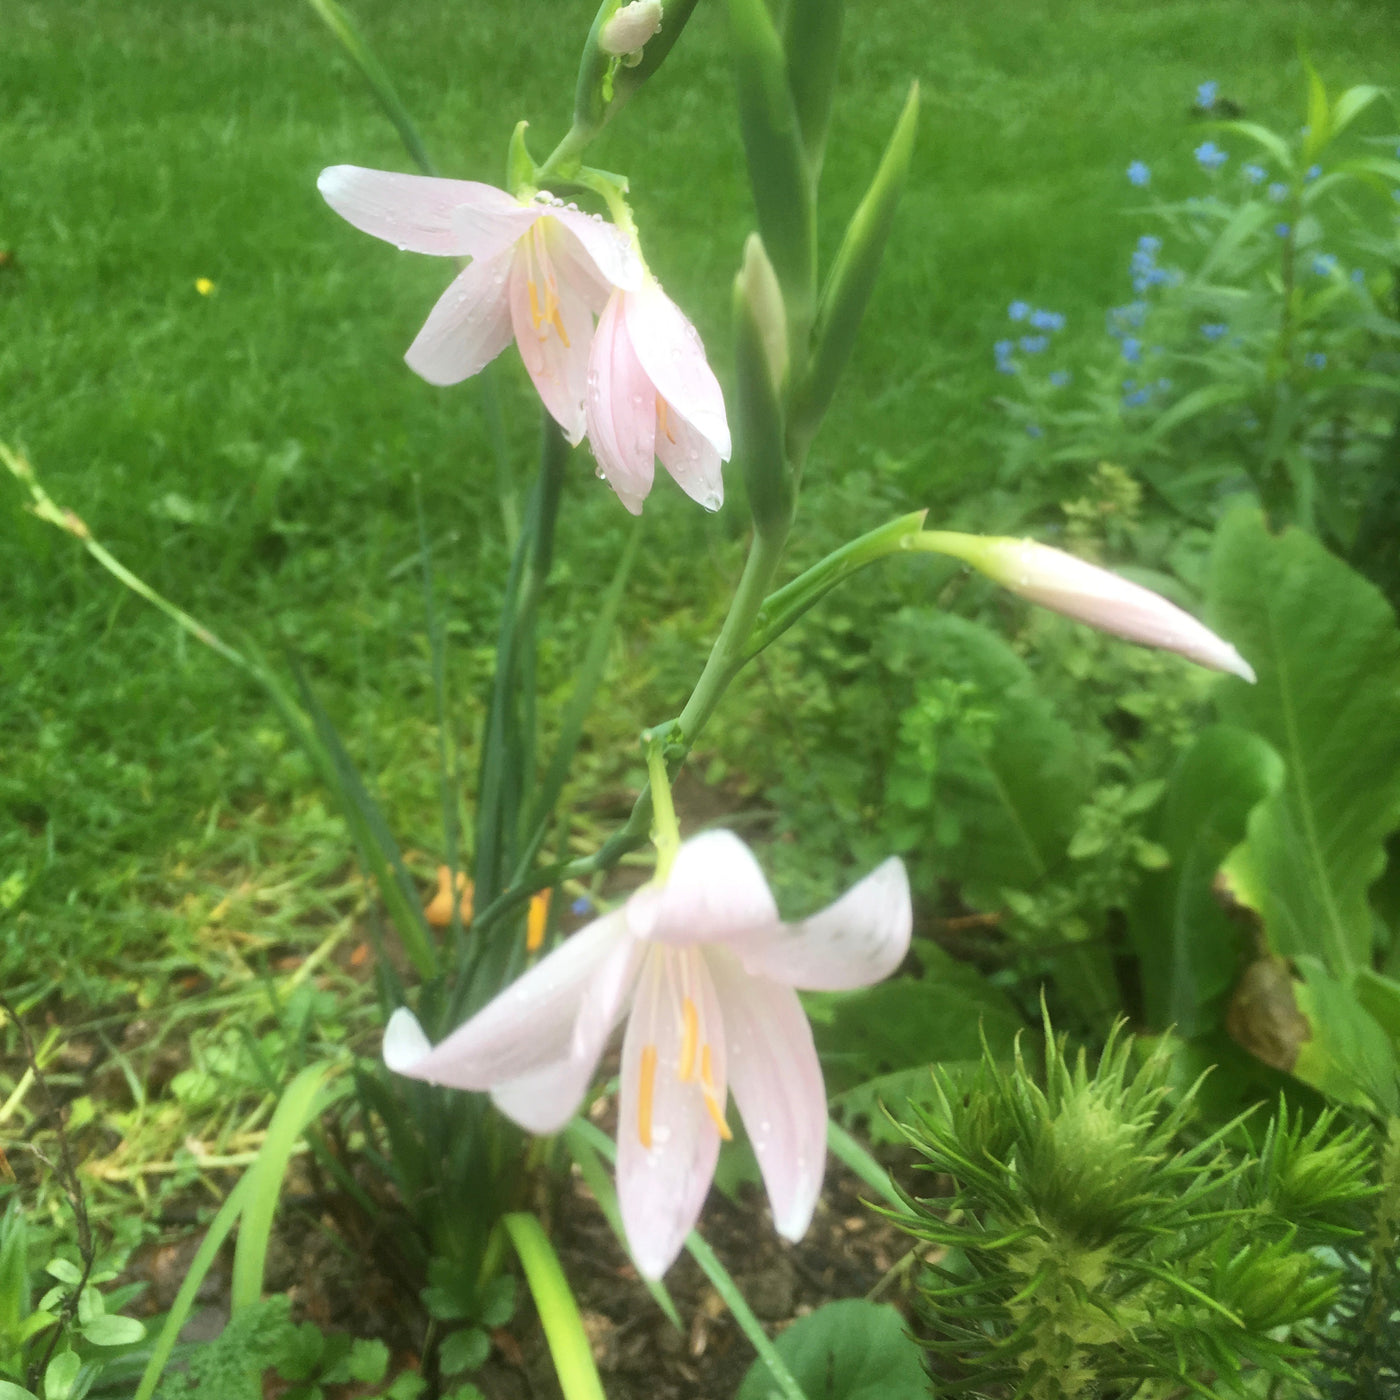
<point x="691" y="459"/>
<point x="489" y="227"/>
<point x="661" y="1188"/>
<point x="469" y="326"/>
<point x="528" y="1026"/>
<point x="620" y="410"/>
<point x="558" y="364"/>
<point x="777" y="1083"/>
<point x="602" y="245"/>
<point x="416" y="212"/>
<point x="671" y="353"/>
<point x="858" y="940"/>
<point x="715" y="891"/>
<point x="543" y="1100"/>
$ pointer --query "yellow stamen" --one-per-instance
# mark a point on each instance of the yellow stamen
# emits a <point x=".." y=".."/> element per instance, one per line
<point x="661" y="418"/>
<point x="536" y="920"/>
<point x="712" y="1103"/>
<point x="535" y="313"/>
<point x="557" y="322"/>
<point x="689" y="1040"/>
<point x="644" y="1092"/>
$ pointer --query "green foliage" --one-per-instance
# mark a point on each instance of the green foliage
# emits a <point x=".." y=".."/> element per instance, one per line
<point x="1189" y="950"/>
<point x="848" y="1350"/>
<point x="1327" y="649"/>
<point x="1093" y="1245"/>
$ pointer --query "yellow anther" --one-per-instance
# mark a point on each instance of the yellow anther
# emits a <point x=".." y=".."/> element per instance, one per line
<point x="690" y="1039"/>
<point x="661" y="418"/>
<point x="712" y="1103"/>
<point x="536" y="921"/>
<point x="535" y="312"/>
<point x="644" y="1093"/>
<point x="557" y="322"/>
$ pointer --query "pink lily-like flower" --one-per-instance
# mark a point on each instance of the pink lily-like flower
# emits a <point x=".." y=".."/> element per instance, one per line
<point x="539" y="272"/>
<point x="651" y="393"/>
<point x="708" y="971"/>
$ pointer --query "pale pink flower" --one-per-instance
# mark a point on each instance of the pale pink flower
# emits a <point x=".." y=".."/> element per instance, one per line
<point x="708" y="971"/>
<point x="651" y="393"/>
<point x="1105" y="600"/>
<point x="539" y="272"/>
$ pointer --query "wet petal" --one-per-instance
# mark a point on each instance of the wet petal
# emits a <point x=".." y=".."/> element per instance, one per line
<point x="528" y="1026"/>
<point x="671" y="353"/>
<point x="715" y="892"/>
<point x="416" y="212"/>
<point x="557" y="361"/>
<point x="690" y="458"/>
<point x="468" y="328"/>
<point x="602" y="245"/>
<point x="777" y="1084"/>
<point x="544" y="1100"/>
<point x="858" y="940"/>
<point x="667" y="1144"/>
<point x="621" y="410"/>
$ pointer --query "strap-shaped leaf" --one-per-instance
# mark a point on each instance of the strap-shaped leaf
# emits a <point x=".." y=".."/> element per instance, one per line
<point x="812" y="42"/>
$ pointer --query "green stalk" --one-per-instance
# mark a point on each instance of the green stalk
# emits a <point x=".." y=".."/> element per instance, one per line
<point x="559" y="1314"/>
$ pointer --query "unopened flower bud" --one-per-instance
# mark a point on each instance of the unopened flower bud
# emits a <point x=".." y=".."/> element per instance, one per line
<point x="629" y="28"/>
<point x="759" y="286"/>
<point x="1083" y="591"/>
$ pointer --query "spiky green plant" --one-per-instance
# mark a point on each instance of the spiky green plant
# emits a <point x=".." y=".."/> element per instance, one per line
<point x="1090" y="1248"/>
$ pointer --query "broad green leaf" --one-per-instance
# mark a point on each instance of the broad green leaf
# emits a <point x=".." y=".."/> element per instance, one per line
<point x="61" y="1375"/>
<point x="1188" y="947"/>
<point x="911" y="1022"/>
<point x="111" y="1330"/>
<point x="851" y="1349"/>
<point x="1327" y="650"/>
<point x="1014" y="783"/>
<point x="1348" y="1056"/>
<point x="10" y="1391"/>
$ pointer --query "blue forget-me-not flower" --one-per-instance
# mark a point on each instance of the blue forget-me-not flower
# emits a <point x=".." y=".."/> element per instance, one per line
<point x="1209" y="156"/>
<point x="1138" y="173"/>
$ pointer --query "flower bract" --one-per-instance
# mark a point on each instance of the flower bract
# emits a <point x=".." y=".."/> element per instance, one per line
<point x="706" y="974"/>
<point x="539" y="272"/>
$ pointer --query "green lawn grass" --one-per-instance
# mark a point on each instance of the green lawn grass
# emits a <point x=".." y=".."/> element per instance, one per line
<point x="253" y="453"/>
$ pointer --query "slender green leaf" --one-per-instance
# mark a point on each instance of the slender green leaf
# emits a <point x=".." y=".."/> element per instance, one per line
<point x="1327" y="651"/>
<point x="305" y="1099"/>
<point x="852" y="278"/>
<point x="779" y="175"/>
<point x="846" y="1149"/>
<point x="340" y="24"/>
<point x="1351" y="104"/>
<point x="812" y="44"/>
<point x="559" y="1315"/>
<point x="1274" y="144"/>
<point x="190" y="1285"/>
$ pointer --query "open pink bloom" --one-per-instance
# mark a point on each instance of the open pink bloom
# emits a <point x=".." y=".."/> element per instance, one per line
<point x="708" y="971"/>
<point x="651" y="393"/>
<point x="539" y="272"/>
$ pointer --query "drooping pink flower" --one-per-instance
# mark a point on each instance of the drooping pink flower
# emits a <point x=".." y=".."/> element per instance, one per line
<point x="708" y="971"/>
<point x="539" y="272"/>
<point x="1108" y="601"/>
<point x="651" y="393"/>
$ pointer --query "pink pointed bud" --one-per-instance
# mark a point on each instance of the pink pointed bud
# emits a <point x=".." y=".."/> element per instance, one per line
<point x="629" y="27"/>
<point x="1057" y="580"/>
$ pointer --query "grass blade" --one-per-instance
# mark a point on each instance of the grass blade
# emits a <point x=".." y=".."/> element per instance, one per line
<point x="305" y="1099"/>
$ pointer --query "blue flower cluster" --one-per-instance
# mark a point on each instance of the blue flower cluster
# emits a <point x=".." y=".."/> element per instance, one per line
<point x="1135" y="394"/>
<point x="1044" y="321"/>
<point x="1206" y="95"/>
<point x="1209" y="156"/>
<point x="1255" y="174"/>
<point x="1214" y="330"/>
<point x="1138" y="174"/>
<point x="1324" y="264"/>
<point x="1315" y="360"/>
<point x="1144" y="267"/>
